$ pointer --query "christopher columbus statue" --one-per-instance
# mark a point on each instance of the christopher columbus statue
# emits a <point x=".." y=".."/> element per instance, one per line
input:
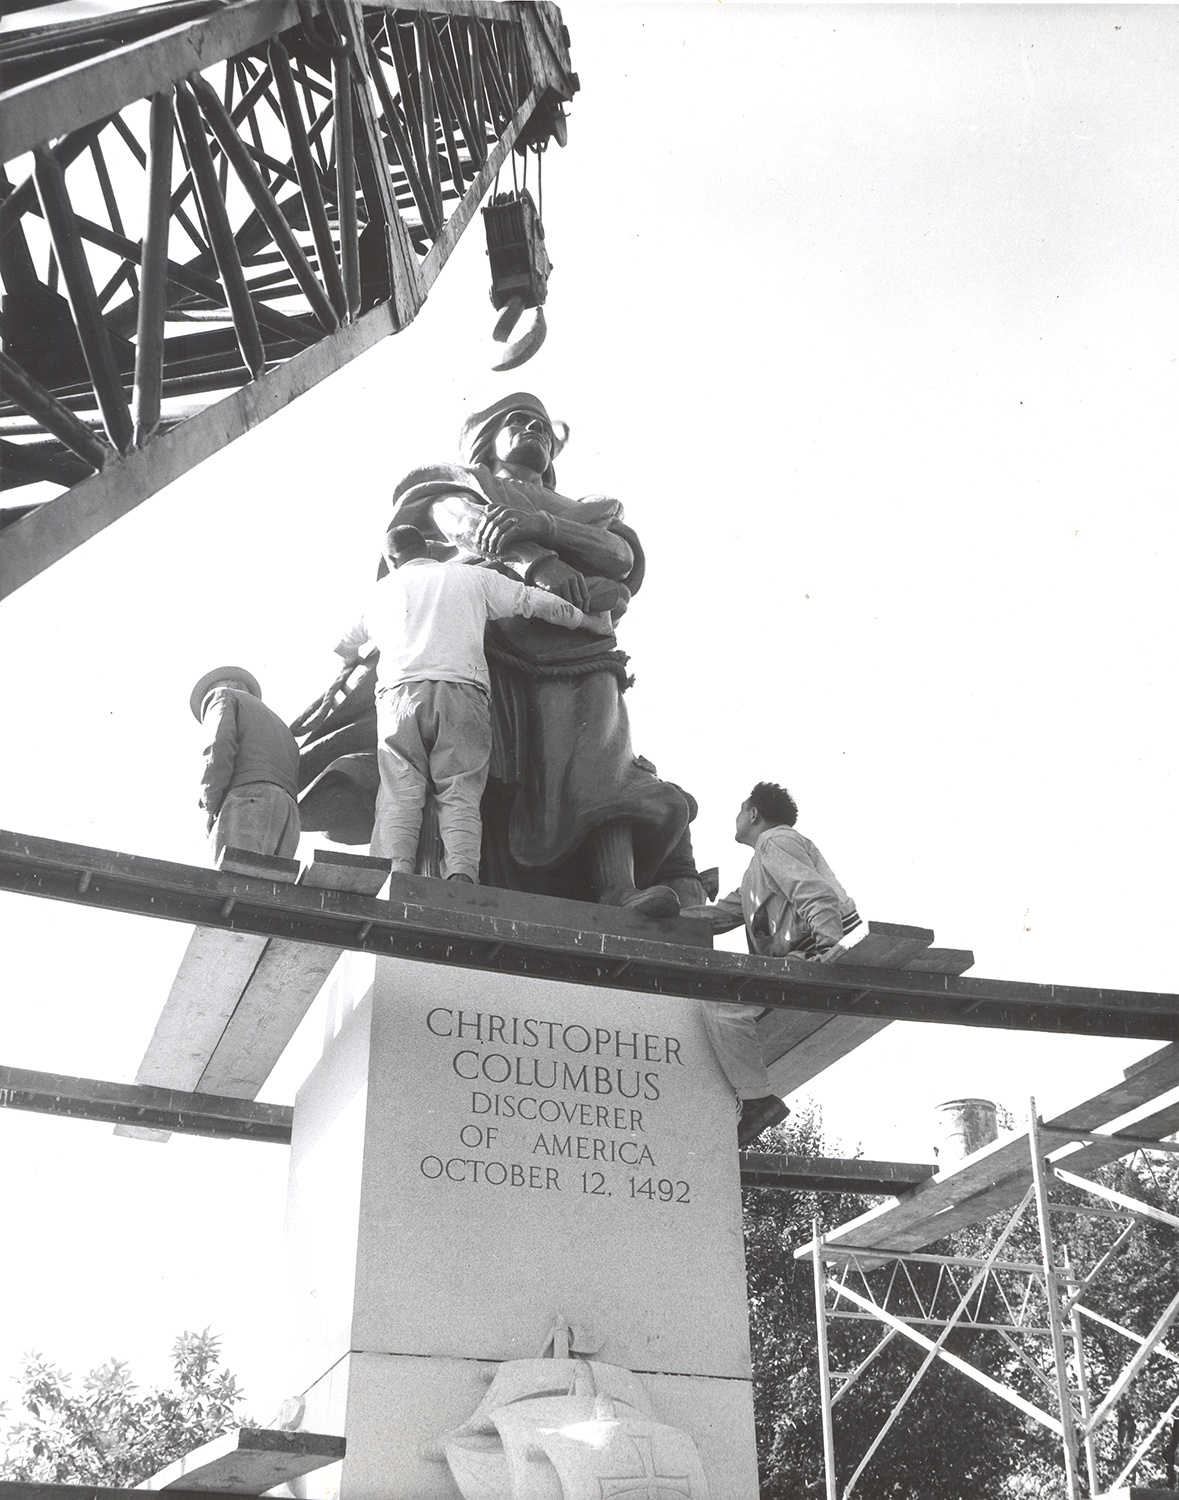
<point x="569" y="810"/>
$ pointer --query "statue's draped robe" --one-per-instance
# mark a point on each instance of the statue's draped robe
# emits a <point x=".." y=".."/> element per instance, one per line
<point x="561" y="762"/>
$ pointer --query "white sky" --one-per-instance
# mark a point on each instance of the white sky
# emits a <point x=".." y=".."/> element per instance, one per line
<point x="869" y="316"/>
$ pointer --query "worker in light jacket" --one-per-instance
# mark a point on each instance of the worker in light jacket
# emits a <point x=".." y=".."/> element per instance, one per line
<point x="792" y="906"/>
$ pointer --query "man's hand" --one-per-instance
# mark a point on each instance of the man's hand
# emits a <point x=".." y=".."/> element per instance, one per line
<point x="500" y="526"/>
<point x="600" y="624"/>
<point x="828" y="944"/>
<point x="560" y="579"/>
<point x="718" y="920"/>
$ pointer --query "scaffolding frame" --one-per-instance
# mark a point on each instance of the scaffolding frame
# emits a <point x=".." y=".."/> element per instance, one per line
<point x="1041" y="1323"/>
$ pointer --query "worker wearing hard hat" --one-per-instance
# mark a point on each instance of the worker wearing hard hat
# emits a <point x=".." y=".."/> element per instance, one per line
<point x="250" y="779"/>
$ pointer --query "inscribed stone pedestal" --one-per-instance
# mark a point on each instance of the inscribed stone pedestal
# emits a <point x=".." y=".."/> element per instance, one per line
<point x="479" y="1160"/>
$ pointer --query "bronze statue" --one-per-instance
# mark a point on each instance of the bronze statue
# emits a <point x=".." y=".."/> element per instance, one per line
<point x="569" y="810"/>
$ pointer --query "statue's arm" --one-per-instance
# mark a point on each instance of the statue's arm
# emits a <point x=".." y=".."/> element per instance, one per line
<point x="461" y="521"/>
<point x="518" y="536"/>
<point x="591" y="549"/>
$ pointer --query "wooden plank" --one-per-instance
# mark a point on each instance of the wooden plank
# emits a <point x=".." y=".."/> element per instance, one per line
<point x="1138" y="1492"/>
<point x="139" y="1104"/>
<point x="1006" y="1193"/>
<point x="282" y="987"/>
<point x="942" y="961"/>
<point x="1163" y="1123"/>
<point x="881" y="945"/>
<point x="875" y="944"/>
<point x="996" y="1177"/>
<point x="823" y="1047"/>
<point x="797" y="1047"/>
<point x="27" y="1489"/>
<point x="216" y="967"/>
<point x="249" y="1461"/>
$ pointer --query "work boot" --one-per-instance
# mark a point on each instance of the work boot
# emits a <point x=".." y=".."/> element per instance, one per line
<point x="461" y="878"/>
<point x="758" y="1115"/>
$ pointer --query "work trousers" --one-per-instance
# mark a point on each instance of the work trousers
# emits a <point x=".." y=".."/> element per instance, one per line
<point x="431" y="737"/>
<point x="732" y="1030"/>
<point x="258" y="816"/>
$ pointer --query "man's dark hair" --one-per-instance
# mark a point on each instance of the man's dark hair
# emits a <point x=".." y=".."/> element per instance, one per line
<point x="774" y="803"/>
<point x="403" y="542"/>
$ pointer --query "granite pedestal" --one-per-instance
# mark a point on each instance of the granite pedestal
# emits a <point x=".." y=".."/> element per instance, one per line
<point x="487" y="1168"/>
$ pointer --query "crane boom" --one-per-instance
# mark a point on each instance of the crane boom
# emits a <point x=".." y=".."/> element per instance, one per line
<point x="208" y="208"/>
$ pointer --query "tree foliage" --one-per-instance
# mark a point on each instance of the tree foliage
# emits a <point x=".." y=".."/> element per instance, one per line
<point x="953" y="1440"/>
<point x="109" y="1432"/>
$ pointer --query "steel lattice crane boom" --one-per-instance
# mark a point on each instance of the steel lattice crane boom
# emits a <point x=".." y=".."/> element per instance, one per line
<point x="207" y="208"/>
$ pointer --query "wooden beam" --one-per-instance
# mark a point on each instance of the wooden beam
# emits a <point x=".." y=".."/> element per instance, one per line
<point x="792" y="1047"/>
<point x="27" y="1489"/>
<point x="140" y="1105"/>
<point x="249" y="1461"/>
<point x="279" y="992"/>
<point x="797" y="1046"/>
<point x="216" y="968"/>
<point x="237" y="999"/>
<point x="829" y="1174"/>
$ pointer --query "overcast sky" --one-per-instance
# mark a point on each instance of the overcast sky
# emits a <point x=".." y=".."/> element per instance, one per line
<point x="868" y="315"/>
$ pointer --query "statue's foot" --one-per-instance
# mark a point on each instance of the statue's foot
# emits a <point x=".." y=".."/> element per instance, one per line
<point x="655" y="901"/>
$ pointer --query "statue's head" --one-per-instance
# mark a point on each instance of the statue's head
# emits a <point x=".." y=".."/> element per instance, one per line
<point x="516" y="430"/>
<point x="219" y="677"/>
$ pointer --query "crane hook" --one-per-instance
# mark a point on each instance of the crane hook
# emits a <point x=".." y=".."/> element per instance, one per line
<point x="520" y="269"/>
<point x="520" y="350"/>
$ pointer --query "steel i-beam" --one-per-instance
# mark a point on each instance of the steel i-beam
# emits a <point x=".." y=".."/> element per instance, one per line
<point x="236" y="200"/>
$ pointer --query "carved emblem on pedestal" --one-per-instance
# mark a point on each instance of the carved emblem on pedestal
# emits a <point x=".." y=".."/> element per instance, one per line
<point x="570" y="1428"/>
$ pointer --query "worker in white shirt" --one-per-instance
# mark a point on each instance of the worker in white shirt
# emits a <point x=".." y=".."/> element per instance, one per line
<point x="792" y="906"/>
<point x="433" y="692"/>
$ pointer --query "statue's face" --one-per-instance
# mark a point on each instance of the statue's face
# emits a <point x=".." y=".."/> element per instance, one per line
<point x="525" y="439"/>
